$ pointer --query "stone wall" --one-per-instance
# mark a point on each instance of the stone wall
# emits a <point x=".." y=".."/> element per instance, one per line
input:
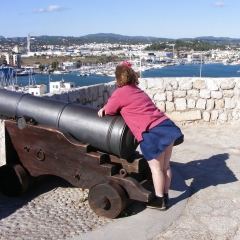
<point x="184" y="100"/>
<point x="94" y="95"/>
<point x="200" y="100"/>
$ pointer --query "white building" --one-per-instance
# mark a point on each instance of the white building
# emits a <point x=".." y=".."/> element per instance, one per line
<point x="61" y="85"/>
<point x="37" y="90"/>
<point x="69" y="65"/>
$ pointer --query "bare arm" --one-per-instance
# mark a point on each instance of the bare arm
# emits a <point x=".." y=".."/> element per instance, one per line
<point x="101" y="112"/>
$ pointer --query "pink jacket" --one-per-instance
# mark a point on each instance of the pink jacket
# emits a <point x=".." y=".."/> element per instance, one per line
<point x="136" y="108"/>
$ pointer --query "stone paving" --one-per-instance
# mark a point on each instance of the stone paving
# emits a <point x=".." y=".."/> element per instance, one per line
<point x="208" y="161"/>
<point x="54" y="210"/>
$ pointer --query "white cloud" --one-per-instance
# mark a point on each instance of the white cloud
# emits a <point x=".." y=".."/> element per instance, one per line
<point x="219" y="4"/>
<point x="53" y="8"/>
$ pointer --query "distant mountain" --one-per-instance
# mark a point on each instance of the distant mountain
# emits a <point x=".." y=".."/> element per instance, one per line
<point x="112" y="37"/>
<point x="213" y="39"/>
<point x="2" y="37"/>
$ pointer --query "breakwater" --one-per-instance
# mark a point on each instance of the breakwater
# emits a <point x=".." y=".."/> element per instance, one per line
<point x="185" y="100"/>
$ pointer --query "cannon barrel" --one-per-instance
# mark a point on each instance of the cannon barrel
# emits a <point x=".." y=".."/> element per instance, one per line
<point x="109" y="134"/>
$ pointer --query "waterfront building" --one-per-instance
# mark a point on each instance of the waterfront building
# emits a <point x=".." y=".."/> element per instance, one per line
<point x="69" y="65"/>
<point x="37" y="89"/>
<point x="60" y="85"/>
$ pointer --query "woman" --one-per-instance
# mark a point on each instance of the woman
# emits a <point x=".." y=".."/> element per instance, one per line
<point x="155" y="132"/>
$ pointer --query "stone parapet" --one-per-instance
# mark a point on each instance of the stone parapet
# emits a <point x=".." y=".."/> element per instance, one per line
<point x="94" y="95"/>
<point x="200" y="100"/>
<point x="183" y="99"/>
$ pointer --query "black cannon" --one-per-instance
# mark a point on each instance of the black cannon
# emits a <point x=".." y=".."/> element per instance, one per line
<point x="69" y="140"/>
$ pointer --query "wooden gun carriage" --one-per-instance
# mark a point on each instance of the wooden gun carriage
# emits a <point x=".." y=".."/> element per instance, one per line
<point x="114" y="175"/>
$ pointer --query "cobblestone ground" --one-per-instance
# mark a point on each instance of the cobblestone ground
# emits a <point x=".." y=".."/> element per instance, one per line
<point x="213" y="209"/>
<point x="54" y="210"/>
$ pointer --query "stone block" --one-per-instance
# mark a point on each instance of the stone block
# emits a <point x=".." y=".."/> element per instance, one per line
<point x="185" y="116"/>
<point x="193" y="93"/>
<point x="201" y="103"/>
<point x="110" y="87"/>
<point x="193" y="115"/>
<point x="211" y="84"/>
<point x="236" y="92"/>
<point x="160" y="97"/>
<point x="169" y="96"/>
<point x="238" y="104"/>
<point x="216" y="94"/>
<point x="185" y="84"/>
<point x="95" y="92"/>
<point x="100" y="89"/>
<point x="171" y="84"/>
<point x="170" y="107"/>
<point x="105" y="97"/>
<point x="98" y="103"/>
<point x="151" y="83"/>
<point x="237" y="80"/>
<point x="206" y="116"/>
<point x="199" y="84"/>
<point x="179" y="94"/>
<point x="161" y="106"/>
<point x="160" y="84"/>
<point x="180" y="104"/>
<point x="226" y="84"/>
<point x="63" y="96"/>
<point x="219" y="104"/>
<point x="230" y="117"/>
<point x="230" y="103"/>
<point x="236" y="114"/>
<point x="214" y="115"/>
<point x="191" y="103"/>
<point x="228" y="93"/>
<point x="73" y="96"/>
<point x="223" y="117"/>
<point x="142" y="83"/>
<point x="205" y="93"/>
<point x="150" y="93"/>
<point x="210" y="104"/>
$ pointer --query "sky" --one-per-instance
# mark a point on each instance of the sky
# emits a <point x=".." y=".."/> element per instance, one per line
<point x="156" y="18"/>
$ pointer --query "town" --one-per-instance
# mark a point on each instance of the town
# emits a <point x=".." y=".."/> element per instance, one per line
<point x="28" y="56"/>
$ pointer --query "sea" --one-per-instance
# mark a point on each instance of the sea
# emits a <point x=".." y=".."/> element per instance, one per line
<point x="214" y="70"/>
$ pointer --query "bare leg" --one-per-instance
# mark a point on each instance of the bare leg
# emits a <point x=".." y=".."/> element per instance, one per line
<point x="156" y="166"/>
<point x="167" y="168"/>
<point x="161" y="171"/>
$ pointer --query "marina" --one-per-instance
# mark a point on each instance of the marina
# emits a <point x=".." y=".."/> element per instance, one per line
<point x="86" y="77"/>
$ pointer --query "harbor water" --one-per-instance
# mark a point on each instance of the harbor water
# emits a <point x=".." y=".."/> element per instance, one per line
<point x="206" y="70"/>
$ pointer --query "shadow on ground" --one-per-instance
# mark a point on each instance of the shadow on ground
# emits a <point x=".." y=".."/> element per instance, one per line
<point x="9" y="205"/>
<point x="204" y="173"/>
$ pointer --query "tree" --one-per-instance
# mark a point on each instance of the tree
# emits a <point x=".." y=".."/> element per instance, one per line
<point x="79" y="63"/>
<point x="55" y="64"/>
<point x="41" y="67"/>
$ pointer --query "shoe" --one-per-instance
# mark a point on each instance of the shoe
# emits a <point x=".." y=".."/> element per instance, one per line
<point x="157" y="203"/>
<point x="166" y="199"/>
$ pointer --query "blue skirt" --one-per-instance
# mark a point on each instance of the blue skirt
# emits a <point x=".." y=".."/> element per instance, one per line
<point x="156" y="140"/>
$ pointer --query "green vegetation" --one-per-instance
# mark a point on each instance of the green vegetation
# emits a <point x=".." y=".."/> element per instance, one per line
<point x="185" y="46"/>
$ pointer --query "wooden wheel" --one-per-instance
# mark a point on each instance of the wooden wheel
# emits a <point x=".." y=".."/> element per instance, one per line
<point x="13" y="180"/>
<point x="107" y="199"/>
